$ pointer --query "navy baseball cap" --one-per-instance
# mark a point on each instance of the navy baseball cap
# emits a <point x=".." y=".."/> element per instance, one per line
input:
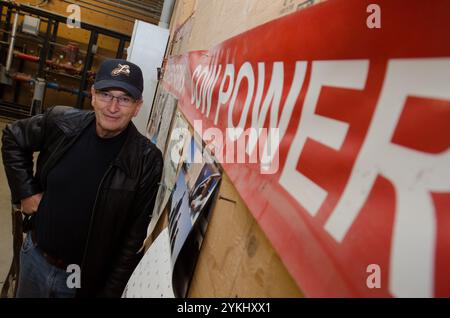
<point x="116" y="73"/>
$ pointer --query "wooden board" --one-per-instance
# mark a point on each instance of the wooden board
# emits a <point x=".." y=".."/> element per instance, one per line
<point x="216" y="21"/>
<point x="181" y="12"/>
<point x="236" y="259"/>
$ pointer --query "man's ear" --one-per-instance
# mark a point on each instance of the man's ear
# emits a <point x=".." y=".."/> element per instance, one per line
<point x="138" y="107"/>
<point x="92" y="94"/>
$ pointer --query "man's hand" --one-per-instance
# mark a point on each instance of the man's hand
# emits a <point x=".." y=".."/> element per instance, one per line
<point x="30" y="205"/>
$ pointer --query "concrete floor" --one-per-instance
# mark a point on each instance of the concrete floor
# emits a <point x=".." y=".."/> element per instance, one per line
<point x="5" y="220"/>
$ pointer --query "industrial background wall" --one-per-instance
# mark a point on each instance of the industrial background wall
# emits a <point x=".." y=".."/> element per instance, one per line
<point x="65" y="80"/>
<point x="236" y="259"/>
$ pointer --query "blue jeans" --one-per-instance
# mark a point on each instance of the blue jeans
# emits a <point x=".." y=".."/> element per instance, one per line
<point x="38" y="278"/>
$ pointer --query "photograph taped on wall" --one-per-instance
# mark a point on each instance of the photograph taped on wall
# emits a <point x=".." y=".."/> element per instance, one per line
<point x="161" y="118"/>
<point x="178" y="142"/>
<point x="189" y="213"/>
<point x="155" y="116"/>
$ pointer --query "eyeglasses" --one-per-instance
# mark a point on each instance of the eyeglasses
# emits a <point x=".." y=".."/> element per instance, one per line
<point x="122" y="100"/>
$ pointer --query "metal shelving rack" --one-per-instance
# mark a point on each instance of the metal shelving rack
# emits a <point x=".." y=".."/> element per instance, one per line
<point x="47" y="41"/>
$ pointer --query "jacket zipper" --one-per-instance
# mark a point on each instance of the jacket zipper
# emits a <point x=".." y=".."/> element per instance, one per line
<point x="92" y="218"/>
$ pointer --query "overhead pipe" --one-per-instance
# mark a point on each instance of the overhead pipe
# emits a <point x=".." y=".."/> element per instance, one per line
<point x="21" y="77"/>
<point x="58" y="87"/>
<point x="26" y="57"/>
<point x="11" y="43"/>
<point x="39" y="90"/>
<point x="52" y="85"/>
<point x="34" y="58"/>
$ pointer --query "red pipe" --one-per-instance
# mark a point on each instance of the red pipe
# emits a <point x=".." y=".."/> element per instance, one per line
<point x="27" y="57"/>
<point x="22" y="77"/>
<point x="34" y="58"/>
<point x="66" y="67"/>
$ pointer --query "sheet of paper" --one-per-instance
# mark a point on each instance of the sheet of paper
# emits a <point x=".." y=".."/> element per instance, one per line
<point x="152" y="278"/>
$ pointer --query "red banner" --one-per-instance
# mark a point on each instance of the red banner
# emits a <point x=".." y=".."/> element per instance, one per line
<point x="352" y="184"/>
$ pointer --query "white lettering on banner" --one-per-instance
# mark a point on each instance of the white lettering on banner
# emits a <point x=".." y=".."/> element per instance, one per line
<point x="256" y="119"/>
<point x="200" y="101"/>
<point x="197" y="71"/>
<point x="204" y="78"/>
<point x="224" y="96"/>
<point x="208" y="88"/>
<point x="245" y="71"/>
<point x="208" y="77"/>
<point x="277" y="128"/>
<point x="273" y="97"/>
<point x="413" y="173"/>
<point x="351" y="74"/>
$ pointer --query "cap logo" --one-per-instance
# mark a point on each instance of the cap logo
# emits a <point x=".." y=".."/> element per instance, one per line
<point x="121" y="69"/>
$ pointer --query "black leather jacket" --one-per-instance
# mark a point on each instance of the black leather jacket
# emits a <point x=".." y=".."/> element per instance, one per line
<point x="125" y="197"/>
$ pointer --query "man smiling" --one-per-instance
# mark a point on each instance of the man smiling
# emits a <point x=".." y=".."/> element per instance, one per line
<point x="92" y="195"/>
